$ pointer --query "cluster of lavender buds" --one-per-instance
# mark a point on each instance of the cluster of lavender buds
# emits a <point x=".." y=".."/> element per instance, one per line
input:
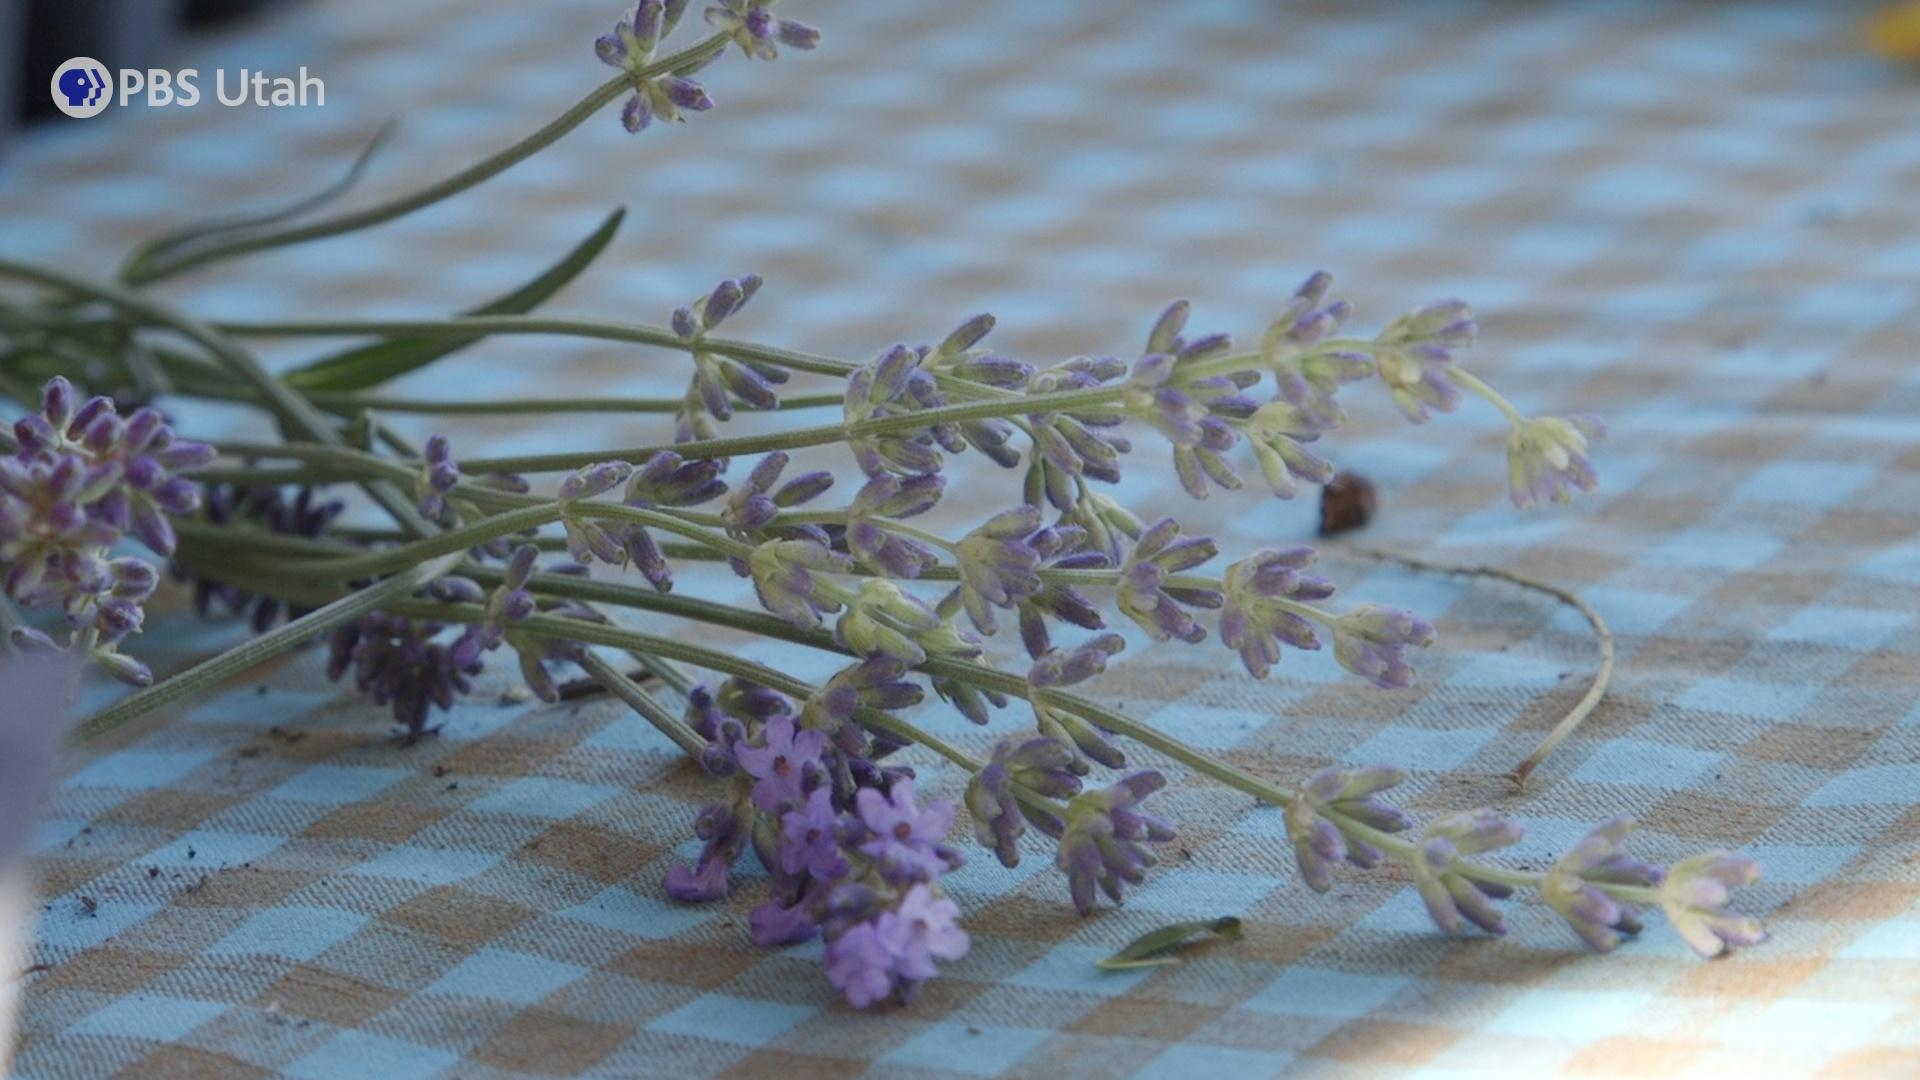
<point x="850" y="852"/>
<point x="1338" y="817"/>
<point x="720" y="382"/>
<point x="630" y="47"/>
<point x="414" y="606"/>
<point x="303" y="514"/>
<point x="398" y="662"/>
<point x="662" y="89"/>
<point x="79" y="479"/>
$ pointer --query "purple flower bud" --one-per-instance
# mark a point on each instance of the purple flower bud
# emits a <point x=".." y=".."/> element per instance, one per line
<point x="1547" y="459"/>
<point x="1453" y="898"/>
<point x="1104" y="842"/>
<point x="1575" y="887"/>
<point x="685" y="94"/>
<point x="788" y="576"/>
<point x="796" y="34"/>
<point x="1262" y="592"/>
<point x="593" y="480"/>
<point x="1144" y="594"/>
<point x="1695" y="895"/>
<point x="1371" y="641"/>
<point x="1038" y="764"/>
<point x="56" y="403"/>
<point x="1313" y="817"/>
<point x="1077" y="665"/>
<point x="883" y="389"/>
<point x="723" y="301"/>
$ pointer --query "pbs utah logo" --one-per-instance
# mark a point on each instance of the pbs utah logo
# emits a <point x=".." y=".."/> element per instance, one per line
<point x="81" y="87"/>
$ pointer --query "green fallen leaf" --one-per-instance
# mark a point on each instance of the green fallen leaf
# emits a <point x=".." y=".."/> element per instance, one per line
<point x="370" y="365"/>
<point x="1166" y="945"/>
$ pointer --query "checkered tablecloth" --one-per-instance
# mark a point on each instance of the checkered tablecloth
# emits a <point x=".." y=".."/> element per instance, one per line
<point x="1694" y="220"/>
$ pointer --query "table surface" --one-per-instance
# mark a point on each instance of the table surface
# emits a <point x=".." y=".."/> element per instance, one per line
<point x="1694" y="220"/>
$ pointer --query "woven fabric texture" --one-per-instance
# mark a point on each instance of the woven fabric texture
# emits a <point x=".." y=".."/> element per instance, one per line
<point x="1692" y="220"/>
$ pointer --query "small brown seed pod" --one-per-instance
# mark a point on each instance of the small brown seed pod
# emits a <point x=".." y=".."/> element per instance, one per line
<point x="1347" y="503"/>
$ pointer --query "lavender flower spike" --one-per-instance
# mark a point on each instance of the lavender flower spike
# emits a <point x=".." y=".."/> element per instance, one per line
<point x="1452" y="898"/>
<point x="1306" y="374"/>
<point x="1695" y="896"/>
<point x="1572" y="887"/>
<point x="754" y="504"/>
<point x="884" y="620"/>
<point x="1105" y="837"/>
<point x="1547" y="459"/>
<point x="1371" y="641"/>
<point x="877" y="682"/>
<point x="1318" y="841"/>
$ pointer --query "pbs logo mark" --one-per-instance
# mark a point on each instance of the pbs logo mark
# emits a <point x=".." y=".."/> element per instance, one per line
<point x="81" y="87"/>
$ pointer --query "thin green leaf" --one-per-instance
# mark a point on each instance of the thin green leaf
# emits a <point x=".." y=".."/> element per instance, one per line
<point x="1167" y="944"/>
<point x="216" y="227"/>
<point x="212" y="672"/>
<point x="370" y="365"/>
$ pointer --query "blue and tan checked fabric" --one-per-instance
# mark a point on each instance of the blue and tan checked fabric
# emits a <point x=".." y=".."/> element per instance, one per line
<point x="1693" y="220"/>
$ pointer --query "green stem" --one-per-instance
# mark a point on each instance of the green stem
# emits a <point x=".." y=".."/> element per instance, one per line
<point x="478" y="326"/>
<point x="506" y="524"/>
<point x="838" y="517"/>
<point x="1464" y="378"/>
<point x="645" y="704"/>
<point x="351" y="402"/>
<point x="209" y="673"/>
<point x="472" y="176"/>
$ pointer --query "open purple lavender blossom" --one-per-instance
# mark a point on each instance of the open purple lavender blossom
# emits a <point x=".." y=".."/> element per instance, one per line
<point x="850" y="851"/>
<point x="806" y="775"/>
<point x="80" y="480"/>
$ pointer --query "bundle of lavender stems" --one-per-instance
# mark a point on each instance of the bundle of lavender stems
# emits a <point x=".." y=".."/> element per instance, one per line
<point x="99" y="494"/>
